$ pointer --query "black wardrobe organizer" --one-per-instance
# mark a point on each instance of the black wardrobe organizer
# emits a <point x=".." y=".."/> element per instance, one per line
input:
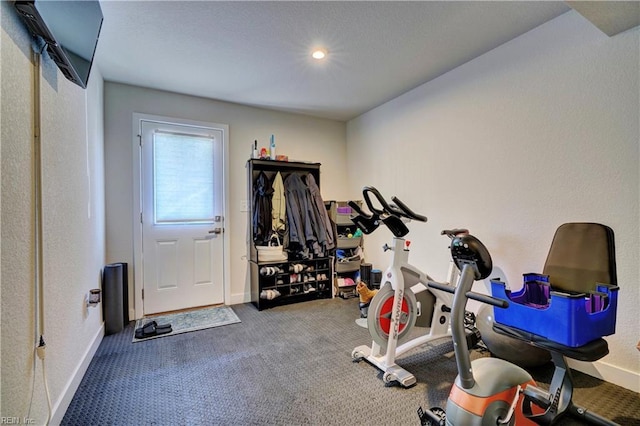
<point x="306" y="274"/>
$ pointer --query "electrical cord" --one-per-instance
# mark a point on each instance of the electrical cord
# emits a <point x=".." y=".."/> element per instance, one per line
<point x="40" y="353"/>
<point x="33" y="385"/>
<point x="40" y="350"/>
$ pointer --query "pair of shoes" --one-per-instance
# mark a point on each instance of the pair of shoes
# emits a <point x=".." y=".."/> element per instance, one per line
<point x="269" y="271"/>
<point x="152" y="329"/>
<point x="269" y="294"/>
<point x="296" y="267"/>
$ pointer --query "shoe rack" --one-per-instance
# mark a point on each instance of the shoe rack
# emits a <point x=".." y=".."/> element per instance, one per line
<point x="291" y="282"/>
<point x="295" y="280"/>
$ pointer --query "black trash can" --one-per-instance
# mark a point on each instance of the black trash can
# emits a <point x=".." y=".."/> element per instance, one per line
<point x="113" y="297"/>
<point x="125" y="292"/>
<point x="376" y="278"/>
<point x="365" y="273"/>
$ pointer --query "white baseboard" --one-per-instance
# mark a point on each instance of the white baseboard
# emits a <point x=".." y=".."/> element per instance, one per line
<point x="609" y="373"/>
<point x="60" y="407"/>
<point x="239" y="298"/>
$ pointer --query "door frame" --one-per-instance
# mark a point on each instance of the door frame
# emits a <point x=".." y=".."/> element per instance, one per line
<point x="137" y="203"/>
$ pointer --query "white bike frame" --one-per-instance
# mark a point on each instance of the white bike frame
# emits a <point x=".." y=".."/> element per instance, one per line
<point x="395" y="276"/>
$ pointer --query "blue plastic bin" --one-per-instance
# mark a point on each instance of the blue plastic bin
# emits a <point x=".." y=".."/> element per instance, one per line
<point x="569" y="319"/>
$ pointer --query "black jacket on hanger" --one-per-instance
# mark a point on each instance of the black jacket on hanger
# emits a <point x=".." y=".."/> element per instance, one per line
<point x="262" y="192"/>
<point x="321" y="222"/>
<point x="298" y="202"/>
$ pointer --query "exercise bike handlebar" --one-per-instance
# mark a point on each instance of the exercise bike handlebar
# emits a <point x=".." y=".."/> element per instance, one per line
<point x="472" y="295"/>
<point x="400" y="209"/>
<point x="355" y="206"/>
<point x="386" y="208"/>
<point x="389" y="214"/>
<point x="407" y="211"/>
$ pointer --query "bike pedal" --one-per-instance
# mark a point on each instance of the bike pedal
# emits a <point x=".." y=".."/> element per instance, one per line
<point x="433" y="417"/>
<point x="538" y="396"/>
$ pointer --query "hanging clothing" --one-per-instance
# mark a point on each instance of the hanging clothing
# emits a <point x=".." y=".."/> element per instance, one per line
<point x="322" y="224"/>
<point x="279" y="208"/>
<point x="261" y="220"/>
<point x="298" y="206"/>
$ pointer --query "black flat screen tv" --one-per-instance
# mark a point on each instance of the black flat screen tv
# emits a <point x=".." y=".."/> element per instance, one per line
<point x="70" y="30"/>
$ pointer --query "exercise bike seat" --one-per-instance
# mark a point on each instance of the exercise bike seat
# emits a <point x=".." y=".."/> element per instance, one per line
<point x="580" y="260"/>
<point x="574" y="301"/>
<point x="589" y="352"/>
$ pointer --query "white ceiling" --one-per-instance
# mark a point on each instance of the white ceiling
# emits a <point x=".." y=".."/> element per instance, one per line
<point x="258" y="53"/>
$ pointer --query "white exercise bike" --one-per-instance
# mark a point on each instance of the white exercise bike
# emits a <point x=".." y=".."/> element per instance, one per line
<point x="394" y="309"/>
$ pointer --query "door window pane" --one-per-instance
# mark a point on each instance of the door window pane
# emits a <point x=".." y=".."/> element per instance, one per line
<point x="183" y="178"/>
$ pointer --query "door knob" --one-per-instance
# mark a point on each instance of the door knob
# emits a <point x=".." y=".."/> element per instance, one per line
<point x="216" y="231"/>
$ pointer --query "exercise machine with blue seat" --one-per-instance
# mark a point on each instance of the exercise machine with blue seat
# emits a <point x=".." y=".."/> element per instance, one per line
<point x="566" y="310"/>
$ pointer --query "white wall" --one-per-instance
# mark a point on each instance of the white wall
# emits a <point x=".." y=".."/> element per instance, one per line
<point x="73" y="224"/>
<point x="540" y="131"/>
<point x="300" y="137"/>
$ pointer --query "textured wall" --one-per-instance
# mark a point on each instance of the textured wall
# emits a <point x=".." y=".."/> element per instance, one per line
<point x="73" y="226"/>
<point x="17" y="322"/>
<point x="300" y="137"/>
<point x="540" y="131"/>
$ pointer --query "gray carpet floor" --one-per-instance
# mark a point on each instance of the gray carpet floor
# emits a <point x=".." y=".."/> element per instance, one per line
<point x="289" y="365"/>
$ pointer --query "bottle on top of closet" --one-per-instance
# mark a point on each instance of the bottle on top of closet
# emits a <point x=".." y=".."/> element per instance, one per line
<point x="272" y="148"/>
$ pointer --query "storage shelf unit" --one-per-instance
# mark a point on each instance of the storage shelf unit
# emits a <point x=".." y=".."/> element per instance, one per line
<point x="313" y="281"/>
<point x="290" y="284"/>
<point x="349" y="245"/>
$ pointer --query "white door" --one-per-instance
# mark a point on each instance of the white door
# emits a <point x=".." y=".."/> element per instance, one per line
<point x="182" y="222"/>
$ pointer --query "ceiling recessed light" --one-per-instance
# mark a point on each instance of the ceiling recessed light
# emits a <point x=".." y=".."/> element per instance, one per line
<point x="319" y="53"/>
